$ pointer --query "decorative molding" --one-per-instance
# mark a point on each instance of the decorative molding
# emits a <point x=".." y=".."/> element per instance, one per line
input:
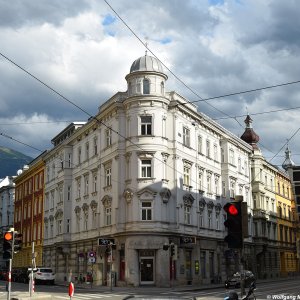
<point x="128" y="194"/>
<point x="165" y="195"/>
<point x="188" y="199"/>
<point x="106" y="200"/>
<point x="146" y="193"/>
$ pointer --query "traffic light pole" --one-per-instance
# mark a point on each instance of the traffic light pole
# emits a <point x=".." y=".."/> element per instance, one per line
<point x="9" y="279"/>
<point x="242" y="272"/>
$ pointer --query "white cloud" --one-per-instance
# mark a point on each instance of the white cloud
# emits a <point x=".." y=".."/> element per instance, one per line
<point x="84" y="52"/>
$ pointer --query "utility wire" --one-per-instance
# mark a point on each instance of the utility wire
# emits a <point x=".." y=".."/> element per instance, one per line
<point x="180" y="80"/>
<point x="77" y="106"/>
<point x="247" y="91"/>
<point x="15" y="140"/>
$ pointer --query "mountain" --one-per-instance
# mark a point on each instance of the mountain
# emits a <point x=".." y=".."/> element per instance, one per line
<point x="11" y="161"/>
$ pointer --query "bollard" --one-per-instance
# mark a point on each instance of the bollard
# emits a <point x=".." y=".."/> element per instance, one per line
<point x="71" y="290"/>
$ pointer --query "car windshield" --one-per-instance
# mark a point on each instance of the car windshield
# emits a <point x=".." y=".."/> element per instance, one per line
<point x="46" y="270"/>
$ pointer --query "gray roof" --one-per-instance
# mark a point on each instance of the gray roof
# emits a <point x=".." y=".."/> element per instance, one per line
<point x="146" y="63"/>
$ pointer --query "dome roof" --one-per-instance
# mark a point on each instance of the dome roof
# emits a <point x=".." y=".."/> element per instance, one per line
<point x="146" y="63"/>
<point x="249" y="136"/>
<point x="288" y="163"/>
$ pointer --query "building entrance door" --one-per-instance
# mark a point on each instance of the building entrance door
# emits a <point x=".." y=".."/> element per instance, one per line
<point x="146" y="270"/>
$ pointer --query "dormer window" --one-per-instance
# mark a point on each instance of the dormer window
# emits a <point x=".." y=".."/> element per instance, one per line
<point x="146" y="86"/>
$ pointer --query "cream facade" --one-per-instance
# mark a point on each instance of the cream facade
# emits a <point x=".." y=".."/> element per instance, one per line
<point x="146" y="171"/>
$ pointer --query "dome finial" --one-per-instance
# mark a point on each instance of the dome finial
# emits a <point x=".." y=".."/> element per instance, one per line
<point x="288" y="162"/>
<point x="146" y="45"/>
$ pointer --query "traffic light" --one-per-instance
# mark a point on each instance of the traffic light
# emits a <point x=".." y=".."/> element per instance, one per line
<point x="8" y="244"/>
<point x="233" y="223"/>
<point x="173" y="251"/>
<point x="17" y="241"/>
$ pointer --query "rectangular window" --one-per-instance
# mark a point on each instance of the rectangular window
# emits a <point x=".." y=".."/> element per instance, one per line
<point x="68" y="226"/>
<point x="95" y="146"/>
<point x="215" y="153"/>
<point x="203" y="263"/>
<point x="95" y="183"/>
<point x="186" y="175"/>
<point x="187" y="215"/>
<point x="78" y="188"/>
<point x="108" y="137"/>
<point x="208" y="148"/>
<point x="199" y="143"/>
<point x="86" y="185"/>
<point x="186" y="137"/>
<point x="146" y="168"/>
<point x="231" y="156"/>
<point x="146" y="125"/>
<point x="146" y="211"/>
<point x="108" y="216"/>
<point x="223" y="188"/>
<point x="209" y="214"/>
<point x="87" y="151"/>
<point x="218" y="221"/>
<point x="69" y="193"/>
<point x="108" y="177"/>
<point x="70" y="160"/>
<point x="79" y="155"/>
<point x="201" y="219"/>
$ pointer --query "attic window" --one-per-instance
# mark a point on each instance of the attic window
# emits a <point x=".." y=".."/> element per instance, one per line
<point x="146" y="86"/>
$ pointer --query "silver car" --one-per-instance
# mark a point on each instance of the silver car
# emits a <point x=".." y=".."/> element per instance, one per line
<point x="44" y="275"/>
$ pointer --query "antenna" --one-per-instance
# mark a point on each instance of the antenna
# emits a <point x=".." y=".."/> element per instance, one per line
<point x="146" y="45"/>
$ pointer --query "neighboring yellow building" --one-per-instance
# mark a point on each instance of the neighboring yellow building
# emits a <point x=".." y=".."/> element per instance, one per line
<point x="29" y="212"/>
<point x="286" y="224"/>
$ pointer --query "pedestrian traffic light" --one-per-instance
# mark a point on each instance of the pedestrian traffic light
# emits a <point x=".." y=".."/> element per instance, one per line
<point x="17" y="241"/>
<point x="8" y="245"/>
<point x="233" y="223"/>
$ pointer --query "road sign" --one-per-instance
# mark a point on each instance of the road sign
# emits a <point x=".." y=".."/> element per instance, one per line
<point x="92" y="260"/>
<point x="105" y="242"/>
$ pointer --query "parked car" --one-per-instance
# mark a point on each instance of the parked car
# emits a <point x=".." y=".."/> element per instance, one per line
<point x="44" y="275"/>
<point x="22" y="275"/>
<point x="235" y="280"/>
<point x="3" y="274"/>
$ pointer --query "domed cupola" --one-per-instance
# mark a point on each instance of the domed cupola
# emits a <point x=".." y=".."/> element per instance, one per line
<point x="146" y="77"/>
<point x="147" y="63"/>
<point x="288" y="163"/>
<point x="249" y="136"/>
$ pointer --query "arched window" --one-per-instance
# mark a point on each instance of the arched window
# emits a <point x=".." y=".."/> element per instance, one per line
<point x="162" y="88"/>
<point x="146" y="86"/>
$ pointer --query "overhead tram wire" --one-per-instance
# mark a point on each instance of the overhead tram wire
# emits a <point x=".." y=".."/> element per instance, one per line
<point x="77" y="106"/>
<point x="15" y="140"/>
<point x="180" y="80"/>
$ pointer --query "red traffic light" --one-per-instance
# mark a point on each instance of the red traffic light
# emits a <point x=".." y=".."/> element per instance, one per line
<point x="8" y="236"/>
<point x="231" y="209"/>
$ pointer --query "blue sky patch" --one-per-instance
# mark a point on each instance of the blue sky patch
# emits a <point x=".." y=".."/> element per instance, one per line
<point x="108" y="20"/>
<point x="166" y="40"/>
<point x="216" y="2"/>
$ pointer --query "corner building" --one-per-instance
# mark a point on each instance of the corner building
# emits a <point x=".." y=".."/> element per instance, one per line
<point x="146" y="171"/>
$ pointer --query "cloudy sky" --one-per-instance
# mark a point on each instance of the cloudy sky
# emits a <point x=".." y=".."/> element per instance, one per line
<point x="84" y="51"/>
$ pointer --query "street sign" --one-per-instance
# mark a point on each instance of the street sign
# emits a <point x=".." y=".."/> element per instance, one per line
<point x="105" y="242"/>
<point x="92" y="260"/>
<point x="92" y="254"/>
<point x="187" y="240"/>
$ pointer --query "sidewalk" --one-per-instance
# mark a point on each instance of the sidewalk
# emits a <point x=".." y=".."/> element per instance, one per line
<point x="140" y="289"/>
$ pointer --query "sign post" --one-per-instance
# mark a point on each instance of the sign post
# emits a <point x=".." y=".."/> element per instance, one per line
<point x="71" y="290"/>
